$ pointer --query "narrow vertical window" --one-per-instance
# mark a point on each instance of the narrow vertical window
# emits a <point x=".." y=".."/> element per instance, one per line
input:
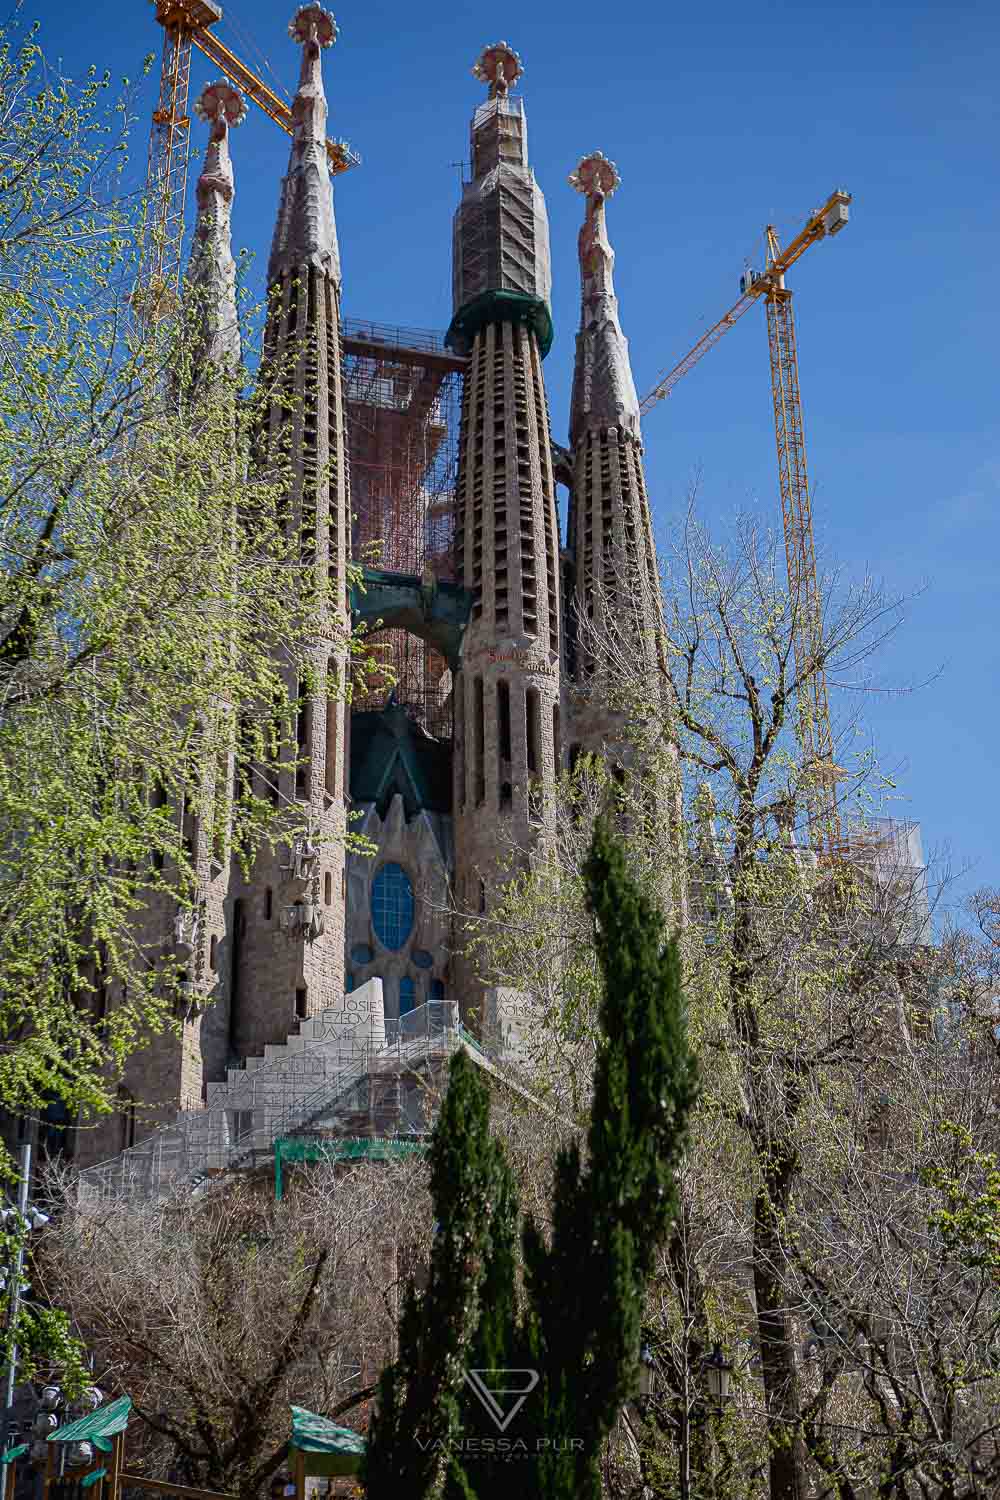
<point x="126" y="1104"/>
<point x="236" y="966"/>
<point x="503" y="742"/>
<point x="303" y="728"/>
<point x="300" y="1004"/>
<point x="332" y="718"/>
<point x="268" y="898"/>
<point x="213" y="952"/>
<point x="460" y="744"/>
<point x="503" y="720"/>
<point x="532" y="707"/>
<point x="327" y="888"/>
<point x="480" y="733"/>
<point x="556" y="738"/>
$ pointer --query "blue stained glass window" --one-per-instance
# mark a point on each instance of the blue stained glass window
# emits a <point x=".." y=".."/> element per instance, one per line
<point x="407" y="994"/>
<point x="437" y="989"/>
<point x="392" y="906"/>
<point x="348" y="982"/>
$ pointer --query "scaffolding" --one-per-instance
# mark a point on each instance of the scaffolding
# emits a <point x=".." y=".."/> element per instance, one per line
<point x="403" y="396"/>
<point x="368" y="1084"/>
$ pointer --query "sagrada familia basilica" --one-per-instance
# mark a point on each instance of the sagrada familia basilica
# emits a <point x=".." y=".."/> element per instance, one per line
<point x="442" y="453"/>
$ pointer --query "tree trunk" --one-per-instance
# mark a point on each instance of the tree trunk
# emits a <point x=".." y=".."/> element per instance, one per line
<point x="786" y="1463"/>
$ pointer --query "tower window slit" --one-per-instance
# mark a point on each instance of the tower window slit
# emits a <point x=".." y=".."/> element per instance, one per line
<point x="503" y="720"/>
<point x="460" y="743"/>
<point x="533" y="727"/>
<point x="332" y="727"/>
<point x="302" y="729"/>
<point x="480" y="741"/>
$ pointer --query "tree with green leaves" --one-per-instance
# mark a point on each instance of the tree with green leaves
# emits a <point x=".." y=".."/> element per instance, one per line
<point x="572" y="1326"/>
<point x="155" y="600"/>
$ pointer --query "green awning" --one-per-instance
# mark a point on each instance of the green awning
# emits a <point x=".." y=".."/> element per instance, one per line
<point x="305" y="1148"/>
<point x="326" y="1448"/>
<point x="11" y="1453"/>
<point x="97" y="1427"/>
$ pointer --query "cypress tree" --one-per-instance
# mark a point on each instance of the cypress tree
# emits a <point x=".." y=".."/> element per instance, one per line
<point x="583" y="1295"/>
<point x="586" y="1292"/>
<point x="417" y="1419"/>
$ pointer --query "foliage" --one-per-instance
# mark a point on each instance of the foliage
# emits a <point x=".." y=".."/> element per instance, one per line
<point x="417" y="1419"/>
<point x="216" y="1313"/>
<point x="827" y="1228"/>
<point x="154" y="600"/>
<point x="575" y="1326"/>
<point x="968" y="1219"/>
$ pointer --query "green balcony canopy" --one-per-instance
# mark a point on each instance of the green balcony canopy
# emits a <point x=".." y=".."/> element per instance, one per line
<point x="97" y="1427"/>
<point x="326" y="1449"/>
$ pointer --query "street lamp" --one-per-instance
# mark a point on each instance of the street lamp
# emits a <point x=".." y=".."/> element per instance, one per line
<point x="718" y="1371"/>
<point x="646" y="1373"/>
<point x="23" y="1218"/>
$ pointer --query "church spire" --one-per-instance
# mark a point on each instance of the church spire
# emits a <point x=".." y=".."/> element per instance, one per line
<point x="305" y="233"/>
<point x="500" y="237"/>
<point x="211" y="268"/>
<point x="604" y="392"/>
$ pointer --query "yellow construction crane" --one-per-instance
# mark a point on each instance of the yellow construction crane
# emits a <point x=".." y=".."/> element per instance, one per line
<point x="186" y="23"/>
<point x="815" y="734"/>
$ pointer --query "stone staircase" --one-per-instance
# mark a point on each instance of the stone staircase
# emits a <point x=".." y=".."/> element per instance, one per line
<point x="275" y="1094"/>
<point x="338" y="1073"/>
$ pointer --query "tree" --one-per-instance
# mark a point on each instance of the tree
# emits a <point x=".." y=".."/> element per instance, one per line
<point x="578" y="1326"/>
<point x="153" y="599"/>
<point x="214" y="1313"/>
<point x="810" y="982"/>
<point x="417" y="1419"/>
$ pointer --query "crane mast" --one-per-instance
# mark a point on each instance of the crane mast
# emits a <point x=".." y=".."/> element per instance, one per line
<point x="166" y="174"/>
<point x="814" y="731"/>
<point x="185" y="25"/>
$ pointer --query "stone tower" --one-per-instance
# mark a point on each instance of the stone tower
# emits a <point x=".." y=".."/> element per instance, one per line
<point x="288" y="919"/>
<point x="615" y="619"/>
<point x="507" y="695"/>
<point x="169" y="1071"/>
<point x="616" y="605"/>
<point x="212" y="269"/>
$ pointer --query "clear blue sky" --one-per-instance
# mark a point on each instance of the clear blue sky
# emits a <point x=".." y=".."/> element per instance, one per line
<point x="721" y="118"/>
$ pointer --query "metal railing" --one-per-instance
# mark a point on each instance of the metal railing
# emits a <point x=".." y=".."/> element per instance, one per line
<point x="270" y="1101"/>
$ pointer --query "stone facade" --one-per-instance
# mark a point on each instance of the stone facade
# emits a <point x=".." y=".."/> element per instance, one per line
<point x="420" y="844"/>
<point x="507" y="702"/>
<point x="444" y="816"/>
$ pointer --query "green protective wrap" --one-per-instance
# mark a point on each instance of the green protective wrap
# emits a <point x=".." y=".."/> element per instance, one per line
<point x="500" y="307"/>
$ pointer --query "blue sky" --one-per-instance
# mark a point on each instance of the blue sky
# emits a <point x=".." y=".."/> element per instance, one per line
<point x="721" y="118"/>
